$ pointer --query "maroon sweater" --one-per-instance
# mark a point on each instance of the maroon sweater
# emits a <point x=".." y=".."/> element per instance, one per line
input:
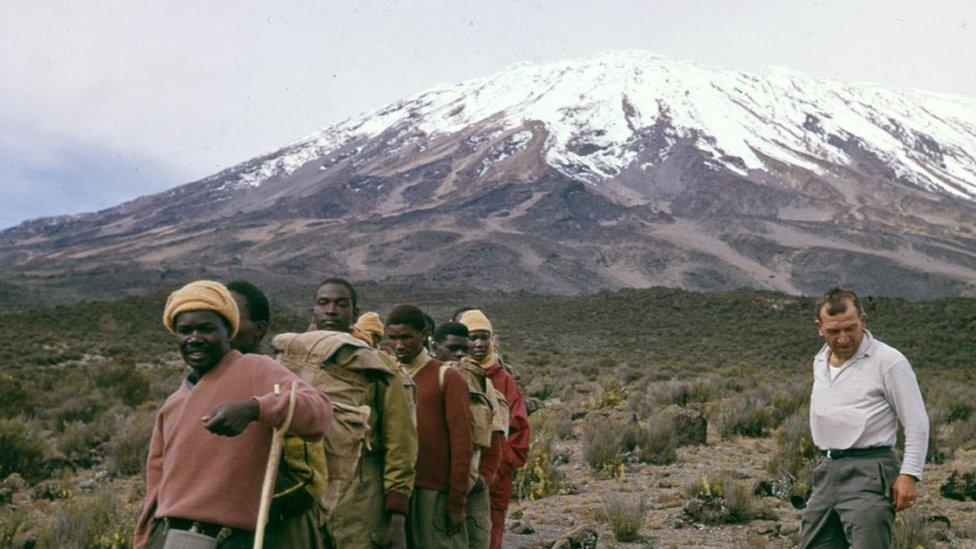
<point x="444" y="433"/>
<point x="192" y="473"/>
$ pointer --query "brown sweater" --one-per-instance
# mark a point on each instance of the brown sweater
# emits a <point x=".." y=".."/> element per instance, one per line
<point x="194" y="474"/>
<point x="444" y="432"/>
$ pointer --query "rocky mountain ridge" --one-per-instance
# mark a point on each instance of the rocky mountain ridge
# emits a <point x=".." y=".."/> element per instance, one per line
<point x="626" y="169"/>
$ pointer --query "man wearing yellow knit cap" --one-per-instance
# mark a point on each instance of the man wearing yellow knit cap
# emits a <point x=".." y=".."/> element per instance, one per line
<point x="212" y="436"/>
<point x="515" y="450"/>
<point x="369" y="328"/>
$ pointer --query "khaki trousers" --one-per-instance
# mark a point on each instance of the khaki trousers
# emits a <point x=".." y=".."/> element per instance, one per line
<point x="360" y="517"/>
<point x="429" y="522"/>
<point x="478" y="520"/>
<point x="851" y="503"/>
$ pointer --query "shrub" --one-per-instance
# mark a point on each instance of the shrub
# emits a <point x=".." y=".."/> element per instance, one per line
<point x="16" y="399"/>
<point x="127" y="450"/>
<point x="718" y="500"/>
<point x="563" y="428"/>
<point x="743" y="416"/>
<point x="102" y="520"/>
<point x="625" y="514"/>
<point x="79" y="442"/>
<point x="794" y="458"/>
<point x="912" y="532"/>
<point x="659" y="443"/>
<point x="610" y="395"/>
<point x="23" y="448"/>
<point x="602" y="446"/>
<point x="539" y="477"/>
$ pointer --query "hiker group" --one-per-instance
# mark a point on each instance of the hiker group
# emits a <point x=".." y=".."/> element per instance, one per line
<point x="413" y="444"/>
<point x="417" y="444"/>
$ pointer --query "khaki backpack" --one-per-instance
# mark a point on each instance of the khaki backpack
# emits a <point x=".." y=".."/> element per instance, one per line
<point x="340" y="366"/>
<point x="489" y="410"/>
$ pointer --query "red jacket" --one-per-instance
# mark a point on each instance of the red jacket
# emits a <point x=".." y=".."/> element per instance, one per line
<point x="444" y="434"/>
<point x="515" y="450"/>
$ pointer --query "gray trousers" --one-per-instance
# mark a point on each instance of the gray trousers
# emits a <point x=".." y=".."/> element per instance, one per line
<point x="851" y="503"/>
<point x="428" y="522"/>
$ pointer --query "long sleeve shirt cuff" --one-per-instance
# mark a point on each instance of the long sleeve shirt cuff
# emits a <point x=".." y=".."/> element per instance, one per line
<point x="397" y="502"/>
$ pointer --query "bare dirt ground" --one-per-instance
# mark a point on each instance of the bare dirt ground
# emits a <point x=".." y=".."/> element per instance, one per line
<point x="662" y="488"/>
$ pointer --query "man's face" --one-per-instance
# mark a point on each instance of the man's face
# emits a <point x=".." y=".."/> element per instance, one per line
<point x="406" y="341"/>
<point x="452" y="349"/>
<point x="480" y="344"/>
<point x="202" y="339"/>
<point x="249" y="333"/>
<point x="843" y="332"/>
<point x="333" y="308"/>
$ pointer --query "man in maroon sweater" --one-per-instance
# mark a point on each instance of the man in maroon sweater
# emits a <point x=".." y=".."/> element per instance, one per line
<point x="211" y="439"/>
<point x="450" y="344"/>
<point x="437" y="506"/>
<point x="515" y="450"/>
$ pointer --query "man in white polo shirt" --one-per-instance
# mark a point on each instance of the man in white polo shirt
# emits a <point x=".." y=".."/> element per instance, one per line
<point x="862" y="389"/>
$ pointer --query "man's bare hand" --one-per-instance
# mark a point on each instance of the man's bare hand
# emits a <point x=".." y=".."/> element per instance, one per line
<point x="904" y="492"/>
<point x="396" y="533"/>
<point x="455" y="522"/>
<point x="230" y="419"/>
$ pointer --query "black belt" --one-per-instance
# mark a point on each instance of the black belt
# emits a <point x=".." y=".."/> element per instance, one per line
<point x="872" y="451"/>
<point x="213" y="530"/>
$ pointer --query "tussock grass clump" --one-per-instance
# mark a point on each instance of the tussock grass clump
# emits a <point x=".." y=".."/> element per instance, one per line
<point x="540" y="477"/>
<point x="718" y="499"/>
<point x="913" y="531"/>
<point x="743" y="416"/>
<point x="103" y="520"/>
<point x="23" y="448"/>
<point x="603" y="445"/>
<point x="794" y="458"/>
<point x="610" y="395"/>
<point x="625" y="513"/>
<point x="658" y="443"/>
<point x="127" y="450"/>
<point x="563" y="428"/>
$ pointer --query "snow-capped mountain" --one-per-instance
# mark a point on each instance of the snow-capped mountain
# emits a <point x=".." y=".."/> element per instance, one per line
<point x="627" y="169"/>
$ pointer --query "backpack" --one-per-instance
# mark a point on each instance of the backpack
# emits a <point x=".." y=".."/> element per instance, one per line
<point x="342" y="367"/>
<point x="486" y="407"/>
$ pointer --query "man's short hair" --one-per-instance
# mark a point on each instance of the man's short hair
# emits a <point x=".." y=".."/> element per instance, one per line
<point x="836" y="300"/>
<point x="341" y="282"/>
<point x="430" y="324"/>
<point x="409" y="315"/>
<point x="257" y="303"/>
<point x="450" y="329"/>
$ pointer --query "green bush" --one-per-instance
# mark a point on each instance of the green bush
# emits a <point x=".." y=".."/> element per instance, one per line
<point x="23" y="449"/>
<point x="79" y="441"/>
<point x="127" y="450"/>
<point x="794" y="458"/>
<point x="102" y="520"/>
<point x="540" y="477"/>
<point x="719" y="500"/>
<point x="659" y="443"/>
<point x="745" y="417"/>
<point x="625" y="513"/>
<point x="602" y="446"/>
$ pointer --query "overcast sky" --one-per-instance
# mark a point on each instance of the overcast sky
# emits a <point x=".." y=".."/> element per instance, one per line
<point x="101" y="102"/>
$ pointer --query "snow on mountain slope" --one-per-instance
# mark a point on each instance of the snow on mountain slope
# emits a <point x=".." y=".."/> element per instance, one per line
<point x="595" y="109"/>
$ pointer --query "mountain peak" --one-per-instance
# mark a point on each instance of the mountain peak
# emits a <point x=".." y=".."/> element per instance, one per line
<point x="628" y="168"/>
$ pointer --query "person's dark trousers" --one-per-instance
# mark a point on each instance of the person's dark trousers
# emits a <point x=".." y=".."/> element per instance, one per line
<point x="851" y="503"/>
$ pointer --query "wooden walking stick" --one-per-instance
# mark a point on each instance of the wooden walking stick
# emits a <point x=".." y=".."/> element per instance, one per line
<point x="267" y="489"/>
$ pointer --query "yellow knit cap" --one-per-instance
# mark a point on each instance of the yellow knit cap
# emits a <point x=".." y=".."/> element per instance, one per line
<point x="202" y="295"/>
<point x="370" y="323"/>
<point x="475" y="320"/>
